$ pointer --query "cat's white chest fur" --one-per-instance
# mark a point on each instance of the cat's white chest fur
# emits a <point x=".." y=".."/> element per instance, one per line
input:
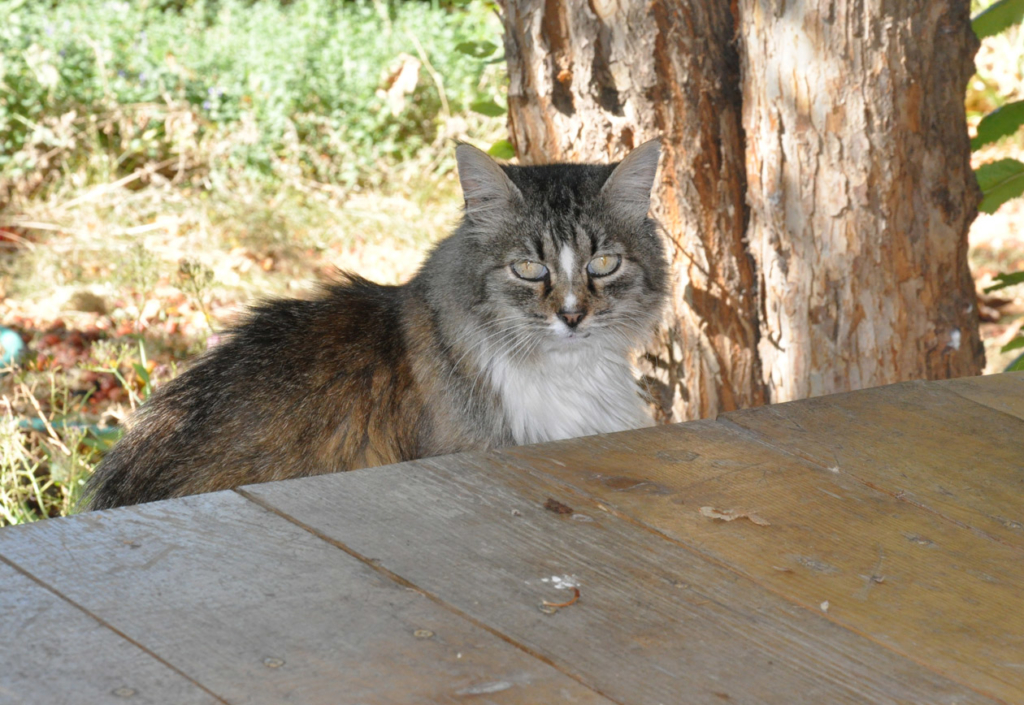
<point x="568" y="394"/>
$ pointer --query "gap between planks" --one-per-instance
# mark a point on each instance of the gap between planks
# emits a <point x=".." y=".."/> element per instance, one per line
<point x="955" y="386"/>
<point x="376" y="565"/>
<point x="899" y="496"/>
<point x="814" y="609"/>
<point x="586" y="497"/>
<point x="106" y="625"/>
<point x="933" y="416"/>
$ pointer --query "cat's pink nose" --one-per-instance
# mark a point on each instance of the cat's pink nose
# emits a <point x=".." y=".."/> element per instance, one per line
<point x="572" y="318"/>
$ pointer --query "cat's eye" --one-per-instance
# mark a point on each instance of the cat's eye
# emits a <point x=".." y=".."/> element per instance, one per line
<point x="529" y="270"/>
<point x="603" y="265"/>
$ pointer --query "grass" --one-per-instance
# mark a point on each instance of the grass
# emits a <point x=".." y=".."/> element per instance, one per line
<point x="313" y="92"/>
<point x="149" y="278"/>
<point x="161" y="170"/>
<point x="53" y="432"/>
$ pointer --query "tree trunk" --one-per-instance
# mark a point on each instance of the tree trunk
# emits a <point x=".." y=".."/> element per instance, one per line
<point x="588" y="82"/>
<point x="861" y="190"/>
<point x="852" y="270"/>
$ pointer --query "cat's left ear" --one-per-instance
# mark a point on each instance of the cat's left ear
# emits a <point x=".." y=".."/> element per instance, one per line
<point x="485" y="186"/>
<point x="629" y="186"/>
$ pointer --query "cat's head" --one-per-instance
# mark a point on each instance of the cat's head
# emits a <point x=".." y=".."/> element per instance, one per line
<point x="564" y="255"/>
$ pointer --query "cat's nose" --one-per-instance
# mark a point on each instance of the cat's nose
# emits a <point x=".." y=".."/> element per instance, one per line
<point x="572" y="318"/>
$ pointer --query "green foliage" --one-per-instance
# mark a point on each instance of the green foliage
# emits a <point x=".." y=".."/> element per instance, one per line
<point x="478" y="50"/>
<point x="488" y="108"/>
<point x="502" y="149"/>
<point x="1002" y="180"/>
<point x="998" y="17"/>
<point x="1000" y="123"/>
<point x="1005" y="280"/>
<point x="999" y="181"/>
<point x="268" y="87"/>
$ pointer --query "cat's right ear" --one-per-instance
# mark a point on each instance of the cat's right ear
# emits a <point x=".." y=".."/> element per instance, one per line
<point x="485" y="186"/>
<point x="628" y="189"/>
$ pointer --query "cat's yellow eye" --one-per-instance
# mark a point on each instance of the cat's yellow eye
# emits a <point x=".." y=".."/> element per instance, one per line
<point x="529" y="270"/>
<point x="603" y="265"/>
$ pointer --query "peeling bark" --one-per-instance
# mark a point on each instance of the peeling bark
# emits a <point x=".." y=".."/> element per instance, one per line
<point x="860" y="190"/>
<point x="588" y="82"/>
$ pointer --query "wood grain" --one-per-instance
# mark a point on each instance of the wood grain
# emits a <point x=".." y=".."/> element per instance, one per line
<point x="917" y="441"/>
<point x="1002" y="392"/>
<point x="260" y="611"/>
<point x="52" y="653"/>
<point x="655" y="622"/>
<point x="921" y="586"/>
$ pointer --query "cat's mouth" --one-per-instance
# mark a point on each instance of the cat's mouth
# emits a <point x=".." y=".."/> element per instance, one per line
<point x="574" y="335"/>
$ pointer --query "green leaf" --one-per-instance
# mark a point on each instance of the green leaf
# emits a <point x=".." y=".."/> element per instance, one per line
<point x="487" y="107"/>
<point x="478" y="50"/>
<point x="998" y="17"/>
<point x="105" y="439"/>
<point x="142" y="372"/>
<point x="999" y="123"/>
<point x="1017" y="365"/>
<point x="1005" y="280"/>
<point x="502" y="149"/>
<point x="1014" y="344"/>
<point x="1000" y="181"/>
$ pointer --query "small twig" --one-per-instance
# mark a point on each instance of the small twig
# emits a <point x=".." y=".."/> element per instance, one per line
<point x="101" y="64"/>
<point x="17" y="239"/>
<point x="104" y="188"/>
<point x="42" y="417"/>
<point x="33" y="225"/>
<point x="575" y="597"/>
<point x="433" y="74"/>
<point x="140" y="229"/>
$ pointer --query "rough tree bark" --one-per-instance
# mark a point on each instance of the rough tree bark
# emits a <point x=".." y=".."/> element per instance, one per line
<point x="852" y="269"/>
<point x="588" y="82"/>
<point x="861" y="190"/>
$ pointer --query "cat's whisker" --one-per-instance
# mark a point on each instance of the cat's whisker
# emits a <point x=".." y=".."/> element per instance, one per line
<point x="487" y="369"/>
<point x="488" y="342"/>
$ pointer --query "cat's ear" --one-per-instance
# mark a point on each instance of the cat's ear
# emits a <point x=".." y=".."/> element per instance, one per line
<point x="485" y="185"/>
<point x="629" y="186"/>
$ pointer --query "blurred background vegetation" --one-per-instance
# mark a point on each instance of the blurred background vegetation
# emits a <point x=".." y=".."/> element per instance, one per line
<point x="164" y="162"/>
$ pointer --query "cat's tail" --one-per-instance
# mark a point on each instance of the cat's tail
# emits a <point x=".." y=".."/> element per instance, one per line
<point x="145" y="465"/>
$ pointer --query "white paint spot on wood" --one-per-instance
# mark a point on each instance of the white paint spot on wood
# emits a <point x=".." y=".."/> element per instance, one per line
<point x="485" y="688"/>
<point x="562" y="582"/>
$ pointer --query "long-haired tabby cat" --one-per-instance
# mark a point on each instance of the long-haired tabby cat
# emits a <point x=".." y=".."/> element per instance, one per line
<point x="518" y="328"/>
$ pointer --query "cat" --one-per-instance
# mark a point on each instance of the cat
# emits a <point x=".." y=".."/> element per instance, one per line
<point x="518" y="328"/>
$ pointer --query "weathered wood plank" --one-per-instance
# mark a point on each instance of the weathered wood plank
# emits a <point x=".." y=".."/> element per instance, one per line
<point x="42" y="642"/>
<point x="919" y="442"/>
<point x="1002" y="392"/>
<point x="655" y="623"/>
<point x="904" y="577"/>
<point x="260" y="611"/>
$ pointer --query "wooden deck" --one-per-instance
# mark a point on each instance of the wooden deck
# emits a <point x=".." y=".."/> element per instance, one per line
<point x="881" y="559"/>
